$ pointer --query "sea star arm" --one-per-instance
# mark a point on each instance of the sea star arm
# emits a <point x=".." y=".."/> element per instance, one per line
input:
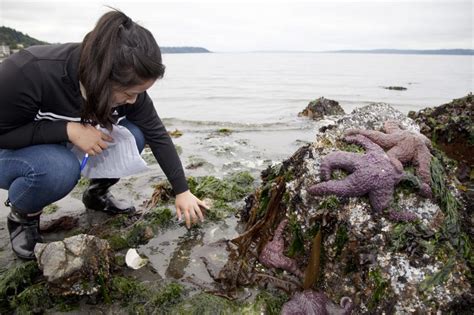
<point x="272" y="255"/>
<point x="380" y="199"/>
<point x="350" y="186"/>
<point x="384" y="140"/>
<point x="423" y="162"/>
<point x="338" y="160"/>
<point x="364" y="142"/>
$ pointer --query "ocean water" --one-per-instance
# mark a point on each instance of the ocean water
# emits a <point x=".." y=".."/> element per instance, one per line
<point x="258" y="96"/>
<point x="274" y="87"/>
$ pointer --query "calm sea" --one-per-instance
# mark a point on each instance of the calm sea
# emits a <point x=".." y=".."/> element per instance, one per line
<point x="274" y="87"/>
<point x="258" y="97"/>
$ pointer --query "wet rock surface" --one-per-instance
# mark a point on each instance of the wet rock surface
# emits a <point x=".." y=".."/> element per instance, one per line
<point x="311" y="302"/>
<point x="422" y="266"/>
<point x="76" y="265"/>
<point x="451" y="128"/>
<point x="320" y="108"/>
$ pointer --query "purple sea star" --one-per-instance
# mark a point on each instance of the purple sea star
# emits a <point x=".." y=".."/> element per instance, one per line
<point x="372" y="173"/>
<point x="312" y="302"/>
<point x="272" y="256"/>
<point x="405" y="146"/>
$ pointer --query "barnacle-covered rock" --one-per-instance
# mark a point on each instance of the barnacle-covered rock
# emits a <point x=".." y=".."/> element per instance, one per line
<point x="382" y="266"/>
<point x="322" y="107"/>
<point x="78" y="265"/>
<point x="311" y="302"/>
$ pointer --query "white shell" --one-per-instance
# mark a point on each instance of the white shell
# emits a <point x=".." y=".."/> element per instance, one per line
<point x="133" y="260"/>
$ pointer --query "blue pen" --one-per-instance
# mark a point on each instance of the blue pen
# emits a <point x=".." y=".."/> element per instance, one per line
<point x="84" y="161"/>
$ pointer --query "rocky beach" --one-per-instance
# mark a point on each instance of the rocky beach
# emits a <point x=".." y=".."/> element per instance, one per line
<point x="277" y="236"/>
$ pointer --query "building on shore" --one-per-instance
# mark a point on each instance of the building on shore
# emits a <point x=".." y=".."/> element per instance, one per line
<point x="4" y="50"/>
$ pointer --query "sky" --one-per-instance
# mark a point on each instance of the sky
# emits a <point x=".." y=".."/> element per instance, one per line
<point x="259" y="25"/>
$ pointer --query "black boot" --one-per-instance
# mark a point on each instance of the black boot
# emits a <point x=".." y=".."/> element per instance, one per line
<point x="97" y="197"/>
<point x="24" y="233"/>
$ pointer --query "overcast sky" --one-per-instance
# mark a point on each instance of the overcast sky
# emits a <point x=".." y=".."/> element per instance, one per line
<point x="259" y="24"/>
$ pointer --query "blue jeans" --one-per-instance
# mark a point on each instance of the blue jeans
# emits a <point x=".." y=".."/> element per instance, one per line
<point x="39" y="175"/>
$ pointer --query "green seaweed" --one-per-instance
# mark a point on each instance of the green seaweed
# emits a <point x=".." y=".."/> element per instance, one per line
<point x="176" y="133"/>
<point x="269" y="303"/>
<point x="329" y="202"/>
<point x="204" y="303"/>
<point x="141" y="299"/>
<point x="379" y="288"/>
<point x="233" y="188"/>
<point x="159" y="217"/>
<point x="127" y="289"/>
<point x="168" y="296"/>
<point x="32" y="300"/>
<point x="50" y="209"/>
<point x="450" y="206"/>
<point x="437" y="278"/>
<point x="83" y="182"/>
<point x="14" y="280"/>
<point x="224" y="131"/>
<point x="136" y="236"/>
<point x="118" y="221"/>
<point x="349" y="147"/>
<point x="265" y="195"/>
<point x="408" y="185"/>
<point x="399" y="235"/>
<point x="219" y="211"/>
<point x="341" y="239"/>
<point x="339" y="174"/>
<point x="117" y="242"/>
<point x="296" y="246"/>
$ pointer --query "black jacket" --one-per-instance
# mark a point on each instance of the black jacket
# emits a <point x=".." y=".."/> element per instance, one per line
<point x="39" y="94"/>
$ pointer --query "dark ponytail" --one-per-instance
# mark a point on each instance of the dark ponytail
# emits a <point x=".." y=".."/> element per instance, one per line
<point x="117" y="52"/>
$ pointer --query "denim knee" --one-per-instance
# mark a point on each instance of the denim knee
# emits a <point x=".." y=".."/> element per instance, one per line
<point x="136" y="132"/>
<point x="38" y="175"/>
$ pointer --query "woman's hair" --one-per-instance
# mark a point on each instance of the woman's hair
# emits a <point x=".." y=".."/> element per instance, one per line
<point x="116" y="53"/>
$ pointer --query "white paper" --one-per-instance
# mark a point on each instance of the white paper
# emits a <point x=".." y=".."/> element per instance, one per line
<point x="120" y="159"/>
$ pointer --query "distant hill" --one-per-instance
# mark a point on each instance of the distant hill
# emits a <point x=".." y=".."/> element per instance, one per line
<point x="183" y="50"/>
<point x="12" y="38"/>
<point x="409" y="51"/>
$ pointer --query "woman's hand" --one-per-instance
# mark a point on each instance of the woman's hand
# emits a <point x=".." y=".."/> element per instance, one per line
<point x="189" y="204"/>
<point x="87" y="138"/>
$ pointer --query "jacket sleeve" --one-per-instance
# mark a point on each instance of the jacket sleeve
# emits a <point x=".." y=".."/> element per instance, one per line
<point x="144" y="115"/>
<point x="20" y="96"/>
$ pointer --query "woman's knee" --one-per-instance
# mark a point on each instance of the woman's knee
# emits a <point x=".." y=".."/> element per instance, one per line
<point x="136" y="132"/>
<point x="61" y="171"/>
<point x="61" y="168"/>
<point x="49" y="173"/>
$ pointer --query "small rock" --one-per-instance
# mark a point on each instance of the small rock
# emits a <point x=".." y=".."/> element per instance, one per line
<point x="321" y="107"/>
<point x="396" y="88"/>
<point x="76" y="265"/>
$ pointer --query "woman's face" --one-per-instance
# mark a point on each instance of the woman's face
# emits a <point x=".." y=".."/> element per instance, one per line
<point x="128" y="95"/>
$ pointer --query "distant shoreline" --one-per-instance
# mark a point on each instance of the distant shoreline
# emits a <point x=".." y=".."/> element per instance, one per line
<point x="449" y="52"/>
<point x="464" y="52"/>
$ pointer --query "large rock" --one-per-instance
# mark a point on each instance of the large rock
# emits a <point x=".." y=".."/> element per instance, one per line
<point x="321" y="107"/>
<point x="381" y="265"/>
<point x="77" y="265"/>
<point x="451" y="127"/>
